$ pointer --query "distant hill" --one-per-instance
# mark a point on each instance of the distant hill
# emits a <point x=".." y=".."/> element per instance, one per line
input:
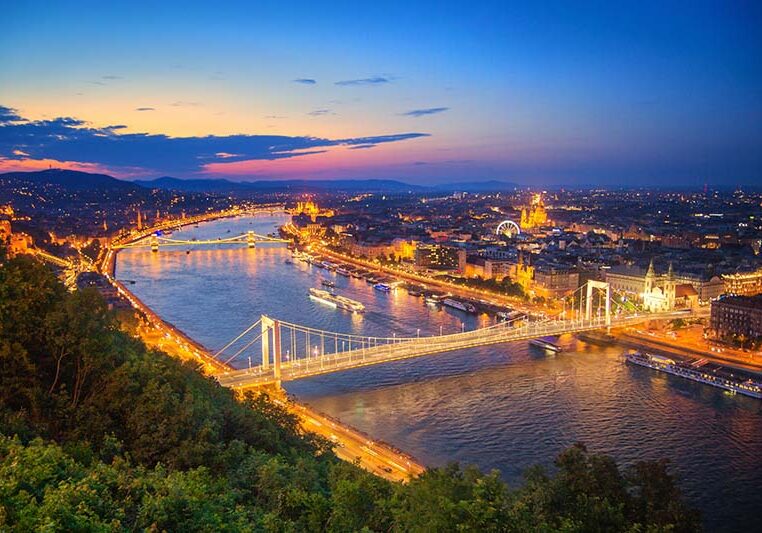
<point x="227" y="186"/>
<point x="346" y="185"/>
<point x="73" y="180"/>
<point x="81" y="181"/>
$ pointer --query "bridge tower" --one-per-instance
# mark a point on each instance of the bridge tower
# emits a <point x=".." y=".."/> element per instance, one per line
<point x="603" y="286"/>
<point x="154" y="243"/>
<point x="251" y="240"/>
<point x="268" y="325"/>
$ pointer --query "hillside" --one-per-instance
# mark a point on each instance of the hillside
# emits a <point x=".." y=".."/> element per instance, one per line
<point x="316" y="186"/>
<point x="72" y="180"/>
<point x="99" y="433"/>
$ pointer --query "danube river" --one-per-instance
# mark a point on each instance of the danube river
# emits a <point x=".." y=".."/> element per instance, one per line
<point x="499" y="407"/>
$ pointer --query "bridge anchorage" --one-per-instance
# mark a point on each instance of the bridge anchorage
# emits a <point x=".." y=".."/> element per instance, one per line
<point x="156" y="240"/>
<point x="291" y="351"/>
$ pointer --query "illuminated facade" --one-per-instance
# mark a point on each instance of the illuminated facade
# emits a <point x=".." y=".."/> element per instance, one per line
<point x="311" y="209"/>
<point x="439" y="257"/>
<point x="535" y="215"/>
<point x="17" y="243"/>
<point x="737" y="316"/>
<point x="744" y="283"/>
<point x="659" y="291"/>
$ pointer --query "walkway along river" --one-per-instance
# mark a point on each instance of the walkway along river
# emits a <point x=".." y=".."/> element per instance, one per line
<point x="505" y="407"/>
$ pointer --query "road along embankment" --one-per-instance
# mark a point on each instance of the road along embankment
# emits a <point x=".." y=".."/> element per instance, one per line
<point x="452" y="288"/>
<point x="350" y="444"/>
<point x="634" y="340"/>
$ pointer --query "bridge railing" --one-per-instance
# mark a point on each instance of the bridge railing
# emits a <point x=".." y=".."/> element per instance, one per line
<point x="369" y="350"/>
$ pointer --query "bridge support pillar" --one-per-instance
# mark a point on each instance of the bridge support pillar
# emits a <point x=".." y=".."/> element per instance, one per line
<point x="154" y="243"/>
<point x="592" y="284"/>
<point x="251" y="240"/>
<point x="267" y="325"/>
<point x="276" y="352"/>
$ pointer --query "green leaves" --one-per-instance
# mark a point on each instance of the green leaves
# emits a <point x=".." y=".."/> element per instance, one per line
<point x="112" y="436"/>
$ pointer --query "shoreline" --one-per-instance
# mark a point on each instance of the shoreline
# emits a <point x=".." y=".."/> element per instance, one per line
<point x="350" y="444"/>
<point x="458" y="290"/>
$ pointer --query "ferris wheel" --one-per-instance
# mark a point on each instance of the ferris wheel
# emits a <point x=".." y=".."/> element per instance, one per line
<point x="508" y="228"/>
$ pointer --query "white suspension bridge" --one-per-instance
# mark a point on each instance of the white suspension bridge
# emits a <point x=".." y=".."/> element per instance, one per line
<point x="156" y="240"/>
<point x="292" y="351"/>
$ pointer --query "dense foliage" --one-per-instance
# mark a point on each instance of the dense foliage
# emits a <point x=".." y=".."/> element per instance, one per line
<point x="98" y="433"/>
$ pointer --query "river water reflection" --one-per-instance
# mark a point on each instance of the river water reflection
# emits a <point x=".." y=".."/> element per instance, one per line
<point x="502" y="407"/>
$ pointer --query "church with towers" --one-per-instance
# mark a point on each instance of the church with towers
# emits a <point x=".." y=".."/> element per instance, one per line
<point x="659" y="292"/>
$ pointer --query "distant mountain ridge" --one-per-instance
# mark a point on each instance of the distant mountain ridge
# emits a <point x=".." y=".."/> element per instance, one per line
<point x="72" y="179"/>
<point x="346" y="185"/>
<point x="224" y="185"/>
<point x="78" y="180"/>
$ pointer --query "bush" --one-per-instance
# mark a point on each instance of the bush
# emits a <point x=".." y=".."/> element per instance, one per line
<point x="99" y="433"/>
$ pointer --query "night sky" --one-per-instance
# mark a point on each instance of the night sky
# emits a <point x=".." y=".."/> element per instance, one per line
<point x="567" y="94"/>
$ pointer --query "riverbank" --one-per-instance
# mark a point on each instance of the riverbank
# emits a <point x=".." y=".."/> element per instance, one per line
<point x="350" y="444"/>
<point x="456" y="290"/>
<point x="634" y="339"/>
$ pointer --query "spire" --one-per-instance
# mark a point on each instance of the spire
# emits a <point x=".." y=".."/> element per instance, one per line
<point x="670" y="272"/>
<point x="650" y="273"/>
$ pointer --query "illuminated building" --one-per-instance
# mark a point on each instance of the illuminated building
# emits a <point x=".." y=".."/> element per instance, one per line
<point x="17" y="243"/>
<point x="737" y="316"/>
<point x="524" y="274"/>
<point x="440" y="257"/>
<point x="631" y="281"/>
<point x="743" y="283"/>
<point x="659" y="293"/>
<point x="311" y="209"/>
<point x="486" y="268"/>
<point x="535" y="216"/>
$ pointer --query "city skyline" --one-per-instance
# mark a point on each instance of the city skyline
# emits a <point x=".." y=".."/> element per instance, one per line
<point x="566" y="96"/>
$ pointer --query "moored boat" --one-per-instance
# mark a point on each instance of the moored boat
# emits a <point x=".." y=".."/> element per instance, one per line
<point x="546" y="344"/>
<point x="457" y="304"/>
<point x="698" y="371"/>
<point x="334" y="300"/>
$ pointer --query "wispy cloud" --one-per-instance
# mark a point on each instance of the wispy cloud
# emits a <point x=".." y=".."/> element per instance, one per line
<point x="321" y="112"/>
<point x="183" y="103"/>
<point x="424" y="112"/>
<point x="305" y="81"/>
<point x="145" y="109"/>
<point x="374" y="80"/>
<point x="111" y="77"/>
<point x="362" y="146"/>
<point x="71" y="139"/>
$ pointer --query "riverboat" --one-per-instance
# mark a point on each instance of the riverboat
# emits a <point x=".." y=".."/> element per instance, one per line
<point x="433" y="299"/>
<point x="334" y="300"/>
<point x="457" y="304"/>
<point x="716" y="377"/>
<point x="546" y="344"/>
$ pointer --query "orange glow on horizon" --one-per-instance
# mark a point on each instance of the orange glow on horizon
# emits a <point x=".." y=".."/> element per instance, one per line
<point x="30" y="165"/>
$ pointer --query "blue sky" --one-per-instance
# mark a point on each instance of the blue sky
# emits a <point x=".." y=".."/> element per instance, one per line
<point x="560" y="94"/>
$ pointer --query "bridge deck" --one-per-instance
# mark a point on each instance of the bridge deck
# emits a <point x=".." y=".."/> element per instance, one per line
<point x="372" y="355"/>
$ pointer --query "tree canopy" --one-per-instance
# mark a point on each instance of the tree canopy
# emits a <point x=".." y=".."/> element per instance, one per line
<point x="99" y="433"/>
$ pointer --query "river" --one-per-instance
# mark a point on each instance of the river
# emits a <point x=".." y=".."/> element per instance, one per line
<point x="499" y="407"/>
